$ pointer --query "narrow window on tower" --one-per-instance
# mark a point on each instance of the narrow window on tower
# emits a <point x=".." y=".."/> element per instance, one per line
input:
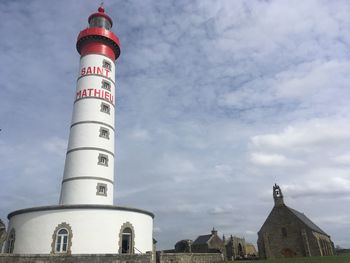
<point x="107" y="65"/>
<point x="104" y="133"/>
<point x="105" y="108"/>
<point x="284" y="232"/>
<point x="106" y="85"/>
<point x="102" y="159"/>
<point x="101" y="189"/>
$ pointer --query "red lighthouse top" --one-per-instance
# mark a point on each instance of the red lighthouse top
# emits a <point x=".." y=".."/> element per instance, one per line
<point x="101" y="13"/>
<point x="97" y="38"/>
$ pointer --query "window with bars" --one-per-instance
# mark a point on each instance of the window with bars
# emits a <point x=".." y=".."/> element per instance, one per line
<point x="101" y="189"/>
<point x="102" y="159"/>
<point x="106" y="85"/>
<point x="105" y="108"/>
<point x="107" y="65"/>
<point x="104" y="133"/>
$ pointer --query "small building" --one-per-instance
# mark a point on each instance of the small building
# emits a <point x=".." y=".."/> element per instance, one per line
<point x="183" y="246"/>
<point x="238" y="248"/>
<point x="289" y="233"/>
<point x="235" y="248"/>
<point x="211" y="243"/>
<point x="250" y="250"/>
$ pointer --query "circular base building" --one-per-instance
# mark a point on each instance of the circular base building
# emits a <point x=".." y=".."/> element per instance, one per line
<point x="80" y="229"/>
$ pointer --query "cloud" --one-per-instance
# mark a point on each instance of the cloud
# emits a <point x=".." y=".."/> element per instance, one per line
<point x="342" y="159"/>
<point x="266" y="159"/>
<point x="55" y="145"/>
<point x="313" y="133"/>
<point x="312" y="79"/>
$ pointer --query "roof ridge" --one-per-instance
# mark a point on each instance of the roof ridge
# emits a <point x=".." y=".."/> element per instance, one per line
<point x="307" y="221"/>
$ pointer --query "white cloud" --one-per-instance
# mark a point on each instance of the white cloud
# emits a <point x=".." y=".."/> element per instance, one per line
<point x="313" y="133"/>
<point x="140" y="134"/>
<point x="316" y="79"/>
<point x="267" y="159"/>
<point x="342" y="159"/>
<point x="55" y="145"/>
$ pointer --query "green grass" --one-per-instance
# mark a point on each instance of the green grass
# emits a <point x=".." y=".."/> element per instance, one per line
<point x="334" y="259"/>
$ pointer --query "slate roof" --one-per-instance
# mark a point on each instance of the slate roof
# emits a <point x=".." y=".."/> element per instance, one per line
<point x="307" y="221"/>
<point x="201" y="240"/>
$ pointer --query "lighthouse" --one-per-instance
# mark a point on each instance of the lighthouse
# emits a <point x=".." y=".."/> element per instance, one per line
<point x="89" y="168"/>
<point x="85" y="221"/>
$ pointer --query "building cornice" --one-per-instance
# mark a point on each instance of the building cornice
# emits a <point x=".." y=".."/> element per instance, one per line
<point x="81" y="207"/>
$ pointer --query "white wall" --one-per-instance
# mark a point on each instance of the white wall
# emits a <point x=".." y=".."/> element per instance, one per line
<point x="84" y="140"/>
<point x="95" y="231"/>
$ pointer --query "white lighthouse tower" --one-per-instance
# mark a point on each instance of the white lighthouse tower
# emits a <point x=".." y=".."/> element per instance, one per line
<point x="86" y="221"/>
<point x="89" y="169"/>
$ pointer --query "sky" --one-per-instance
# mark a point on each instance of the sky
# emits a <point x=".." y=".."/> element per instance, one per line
<point x="216" y="102"/>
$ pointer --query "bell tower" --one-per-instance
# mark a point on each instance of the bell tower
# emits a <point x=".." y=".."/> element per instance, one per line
<point x="278" y="196"/>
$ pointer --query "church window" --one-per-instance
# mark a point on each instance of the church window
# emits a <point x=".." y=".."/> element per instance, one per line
<point x="104" y="133"/>
<point x="106" y="85"/>
<point x="101" y="189"/>
<point x="102" y="159"/>
<point x="105" y="108"/>
<point x="11" y="241"/>
<point x="62" y="239"/>
<point x="107" y="65"/>
<point x="284" y="232"/>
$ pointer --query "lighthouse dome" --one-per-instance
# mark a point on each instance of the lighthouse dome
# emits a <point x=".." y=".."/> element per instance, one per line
<point x="100" y="19"/>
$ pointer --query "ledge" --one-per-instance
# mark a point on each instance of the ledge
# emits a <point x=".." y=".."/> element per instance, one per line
<point x="66" y="207"/>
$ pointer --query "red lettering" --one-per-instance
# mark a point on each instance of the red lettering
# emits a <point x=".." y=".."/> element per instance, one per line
<point x="78" y="94"/>
<point x="107" y="71"/>
<point x="90" y="91"/>
<point x="107" y="96"/>
<point x="99" y="71"/>
<point x="83" y="71"/>
<point x="83" y="93"/>
<point x="97" y="93"/>
<point x="112" y="99"/>
<point x="88" y="71"/>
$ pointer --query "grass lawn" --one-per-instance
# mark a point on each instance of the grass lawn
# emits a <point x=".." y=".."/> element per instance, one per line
<point x="334" y="259"/>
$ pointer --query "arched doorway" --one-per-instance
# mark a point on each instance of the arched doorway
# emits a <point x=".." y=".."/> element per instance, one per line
<point x="126" y="239"/>
<point x="240" y="250"/>
<point x="288" y="253"/>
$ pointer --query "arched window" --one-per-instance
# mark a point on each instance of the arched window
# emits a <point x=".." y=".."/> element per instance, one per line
<point x="11" y="241"/>
<point x="62" y="239"/>
<point x="126" y="239"/>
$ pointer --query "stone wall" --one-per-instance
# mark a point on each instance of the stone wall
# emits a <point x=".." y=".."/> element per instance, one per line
<point x="113" y="258"/>
<point x="189" y="257"/>
<point x="96" y="258"/>
<point x="273" y="243"/>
